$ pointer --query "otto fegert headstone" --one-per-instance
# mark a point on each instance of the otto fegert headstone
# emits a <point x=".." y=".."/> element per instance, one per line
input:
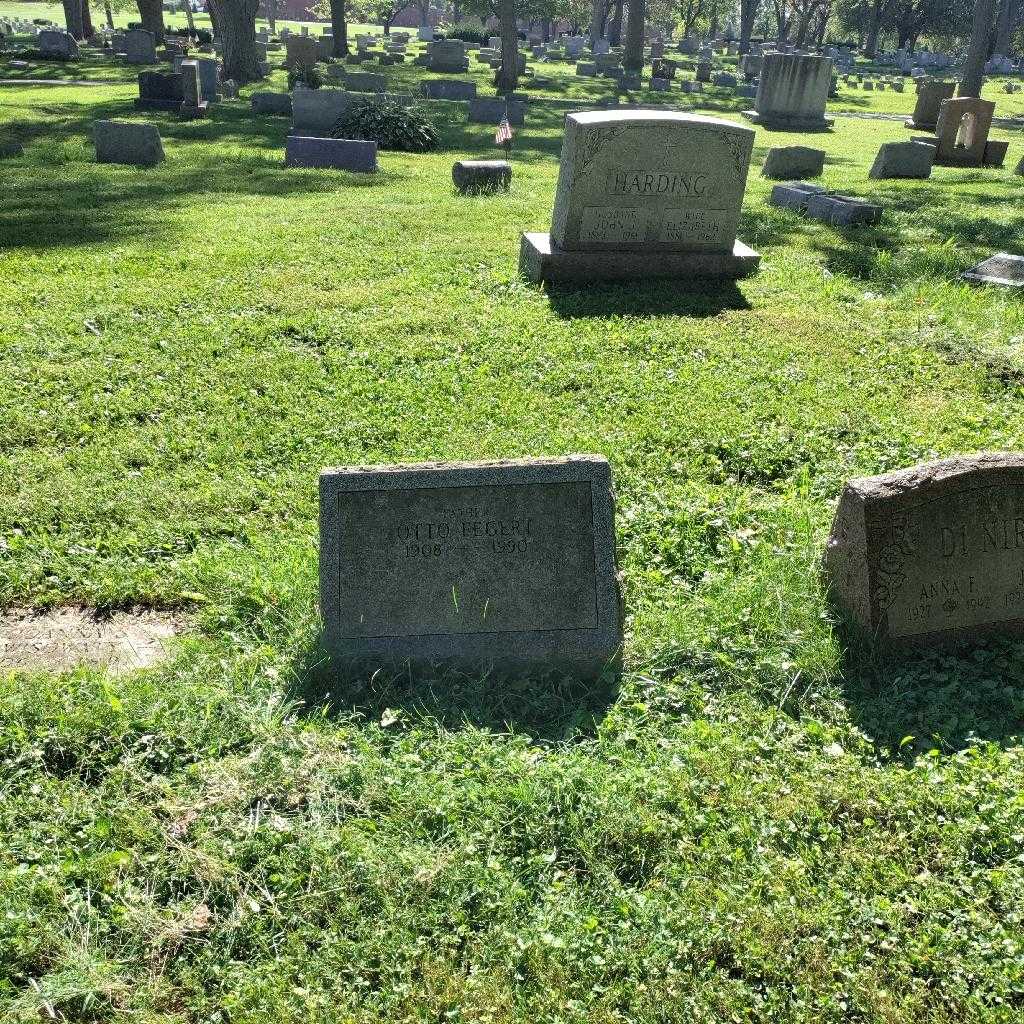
<point x="933" y="552"/>
<point x="642" y="194"/>
<point x="503" y="564"/>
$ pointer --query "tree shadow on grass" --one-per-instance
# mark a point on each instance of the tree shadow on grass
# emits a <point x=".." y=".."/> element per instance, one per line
<point x="74" y="203"/>
<point x="944" y="699"/>
<point x="553" y="707"/>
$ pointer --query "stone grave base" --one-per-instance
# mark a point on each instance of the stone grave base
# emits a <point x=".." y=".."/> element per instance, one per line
<point x="539" y="261"/>
<point x="171" y="105"/>
<point x="917" y="126"/>
<point x="190" y="112"/>
<point x="790" y="124"/>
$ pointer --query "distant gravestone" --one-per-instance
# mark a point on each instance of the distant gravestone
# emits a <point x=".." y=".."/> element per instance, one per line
<point x="331" y="154"/>
<point x="160" y="90"/>
<point x="842" y="211"/>
<point x="930" y="94"/>
<point x="55" y="45"/>
<point x="192" y="103"/>
<point x="124" y="142"/>
<point x="643" y="194"/>
<point x="792" y="92"/>
<point x="473" y="177"/>
<point x="1002" y="269"/>
<point x="903" y="160"/>
<point x="448" y="89"/>
<point x="962" y="130"/>
<point x="509" y="565"/>
<point x="302" y="53"/>
<point x="788" y="162"/>
<point x="794" y="195"/>
<point x="279" y="103"/>
<point x="316" y="111"/>
<point x="932" y="553"/>
<point x="140" y="46"/>
<point x="490" y="110"/>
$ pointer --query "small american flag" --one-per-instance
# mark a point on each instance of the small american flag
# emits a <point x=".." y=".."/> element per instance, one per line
<point x="503" y="136"/>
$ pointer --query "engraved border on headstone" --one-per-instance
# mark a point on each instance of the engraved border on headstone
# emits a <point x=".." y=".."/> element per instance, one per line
<point x="505" y="564"/>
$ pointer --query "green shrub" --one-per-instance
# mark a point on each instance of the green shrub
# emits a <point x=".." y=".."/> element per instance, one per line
<point x="311" y="78"/>
<point x="390" y="125"/>
<point x="471" y="30"/>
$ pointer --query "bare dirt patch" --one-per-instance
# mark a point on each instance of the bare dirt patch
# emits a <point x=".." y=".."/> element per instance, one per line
<point x="63" y="638"/>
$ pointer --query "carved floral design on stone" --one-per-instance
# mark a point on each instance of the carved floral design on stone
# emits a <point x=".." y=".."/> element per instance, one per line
<point x="596" y="140"/>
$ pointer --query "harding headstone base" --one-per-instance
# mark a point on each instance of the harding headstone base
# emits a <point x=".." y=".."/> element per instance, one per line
<point x="540" y="261"/>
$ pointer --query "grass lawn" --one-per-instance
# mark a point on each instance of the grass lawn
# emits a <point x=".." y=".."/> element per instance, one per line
<point x="761" y="823"/>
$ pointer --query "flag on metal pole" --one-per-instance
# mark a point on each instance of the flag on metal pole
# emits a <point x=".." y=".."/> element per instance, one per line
<point x="503" y="136"/>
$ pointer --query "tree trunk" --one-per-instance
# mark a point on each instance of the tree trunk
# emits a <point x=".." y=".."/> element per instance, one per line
<point x="974" y="65"/>
<point x="748" y="12"/>
<point x="236" y="27"/>
<point x="508" y="77"/>
<point x="424" y="9"/>
<point x="633" y="58"/>
<point x="189" y="20"/>
<point x="1009" y="12"/>
<point x="151" y="14"/>
<point x="339" y="28"/>
<point x="545" y="27"/>
<point x="596" y="21"/>
<point x="109" y="14"/>
<point x="615" y="24"/>
<point x="801" y="29"/>
<point x="87" y="30"/>
<point x="272" y="16"/>
<point x="874" y="28"/>
<point x="823" y="19"/>
<point x="73" y="18"/>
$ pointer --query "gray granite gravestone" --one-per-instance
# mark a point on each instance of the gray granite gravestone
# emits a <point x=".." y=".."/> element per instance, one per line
<point x="1003" y="269"/>
<point x="842" y="211"/>
<point x="930" y="94"/>
<point x="903" y="160"/>
<point x="448" y="89"/>
<point x="472" y="177"/>
<point x="56" y="45"/>
<point x="933" y="552"/>
<point x="272" y="103"/>
<point x="509" y="565"/>
<point x="316" y="111"/>
<point x="124" y="142"/>
<point x="788" y="162"/>
<point x="490" y="110"/>
<point x="192" y="103"/>
<point x="644" y="194"/>
<point x="332" y="154"/>
<point x="792" y="92"/>
<point x="140" y="46"/>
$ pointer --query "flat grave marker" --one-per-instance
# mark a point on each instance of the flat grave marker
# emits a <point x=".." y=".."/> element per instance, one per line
<point x="509" y="565"/>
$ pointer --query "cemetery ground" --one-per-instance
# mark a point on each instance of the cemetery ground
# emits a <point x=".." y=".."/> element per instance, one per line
<point x="762" y="821"/>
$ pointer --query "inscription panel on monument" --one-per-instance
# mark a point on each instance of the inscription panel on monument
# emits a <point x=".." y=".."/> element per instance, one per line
<point x="951" y="562"/>
<point x="612" y="224"/>
<point x="650" y="180"/>
<point x="461" y="560"/>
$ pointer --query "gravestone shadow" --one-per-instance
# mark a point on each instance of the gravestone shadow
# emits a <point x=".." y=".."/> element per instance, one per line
<point x="697" y="298"/>
<point x="945" y="699"/>
<point x="553" y="707"/>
